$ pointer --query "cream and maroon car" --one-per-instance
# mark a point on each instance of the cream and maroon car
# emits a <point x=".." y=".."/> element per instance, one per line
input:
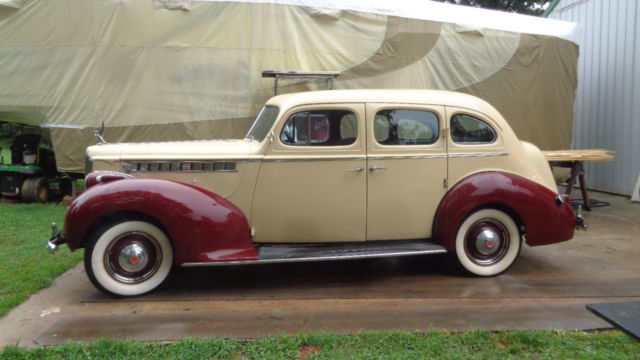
<point x="323" y="175"/>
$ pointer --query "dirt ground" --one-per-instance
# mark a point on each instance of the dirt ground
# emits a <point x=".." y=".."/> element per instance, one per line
<point x="548" y="287"/>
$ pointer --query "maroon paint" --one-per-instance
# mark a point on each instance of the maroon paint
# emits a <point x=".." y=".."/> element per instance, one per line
<point x="545" y="221"/>
<point x="203" y="226"/>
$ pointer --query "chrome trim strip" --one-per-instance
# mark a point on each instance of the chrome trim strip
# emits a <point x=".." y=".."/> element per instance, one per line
<point x="267" y="160"/>
<point x="453" y="156"/>
<point x="394" y="157"/>
<point x="318" y="258"/>
<point x="389" y="157"/>
<point x="314" y="159"/>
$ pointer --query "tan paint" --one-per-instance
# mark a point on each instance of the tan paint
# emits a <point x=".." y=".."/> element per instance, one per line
<point x="317" y="194"/>
<point x="403" y="196"/>
<point x="317" y="201"/>
<point x="507" y="153"/>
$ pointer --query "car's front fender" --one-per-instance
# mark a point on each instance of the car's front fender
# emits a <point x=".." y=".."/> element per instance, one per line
<point x="202" y="226"/>
<point x="546" y="218"/>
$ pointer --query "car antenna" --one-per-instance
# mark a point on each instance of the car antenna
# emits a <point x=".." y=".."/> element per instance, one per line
<point x="98" y="133"/>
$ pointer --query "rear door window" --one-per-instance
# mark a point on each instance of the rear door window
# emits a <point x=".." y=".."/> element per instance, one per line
<point x="406" y="127"/>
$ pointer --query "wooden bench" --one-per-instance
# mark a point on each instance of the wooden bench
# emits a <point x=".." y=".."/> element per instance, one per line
<point x="574" y="160"/>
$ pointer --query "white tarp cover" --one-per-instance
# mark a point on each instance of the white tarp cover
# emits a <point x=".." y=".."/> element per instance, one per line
<point x="151" y="73"/>
<point x="12" y="3"/>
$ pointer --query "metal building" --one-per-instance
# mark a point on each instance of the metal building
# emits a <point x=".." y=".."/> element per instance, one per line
<point x="607" y="114"/>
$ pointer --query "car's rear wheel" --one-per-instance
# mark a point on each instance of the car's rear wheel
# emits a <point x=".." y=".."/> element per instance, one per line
<point x="128" y="258"/>
<point x="487" y="243"/>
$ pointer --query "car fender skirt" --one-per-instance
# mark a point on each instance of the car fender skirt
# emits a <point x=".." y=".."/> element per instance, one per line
<point x="545" y="220"/>
<point x="202" y="226"/>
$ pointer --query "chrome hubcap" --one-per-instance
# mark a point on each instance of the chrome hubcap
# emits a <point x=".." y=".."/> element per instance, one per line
<point x="132" y="257"/>
<point x="486" y="242"/>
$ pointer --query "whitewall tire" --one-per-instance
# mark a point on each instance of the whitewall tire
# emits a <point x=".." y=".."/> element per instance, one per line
<point x="487" y="243"/>
<point x="128" y="258"/>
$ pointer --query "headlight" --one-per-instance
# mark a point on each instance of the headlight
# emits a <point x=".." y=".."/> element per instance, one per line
<point x="88" y="163"/>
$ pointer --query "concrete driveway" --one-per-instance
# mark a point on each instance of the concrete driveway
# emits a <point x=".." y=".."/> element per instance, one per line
<point x="548" y="287"/>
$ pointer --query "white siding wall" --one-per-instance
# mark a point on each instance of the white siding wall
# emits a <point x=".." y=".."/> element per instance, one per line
<point x="607" y="112"/>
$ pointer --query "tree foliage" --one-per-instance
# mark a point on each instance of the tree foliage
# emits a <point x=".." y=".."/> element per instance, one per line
<point x="528" y="7"/>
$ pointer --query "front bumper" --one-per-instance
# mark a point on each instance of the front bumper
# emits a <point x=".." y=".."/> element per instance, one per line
<point x="57" y="238"/>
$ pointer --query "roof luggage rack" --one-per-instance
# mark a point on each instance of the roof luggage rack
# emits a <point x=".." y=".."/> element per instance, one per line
<point x="278" y="75"/>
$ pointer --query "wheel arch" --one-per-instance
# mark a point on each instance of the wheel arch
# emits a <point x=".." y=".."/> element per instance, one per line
<point x="532" y="206"/>
<point x="121" y="215"/>
<point x="201" y="226"/>
<point x="507" y="210"/>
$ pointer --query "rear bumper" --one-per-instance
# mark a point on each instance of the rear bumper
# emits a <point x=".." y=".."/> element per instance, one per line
<point x="581" y="223"/>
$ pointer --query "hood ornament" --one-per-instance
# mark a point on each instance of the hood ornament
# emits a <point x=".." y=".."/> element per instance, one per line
<point x="98" y="134"/>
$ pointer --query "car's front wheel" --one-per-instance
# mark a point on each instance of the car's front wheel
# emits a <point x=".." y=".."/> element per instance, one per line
<point x="487" y="243"/>
<point x="128" y="257"/>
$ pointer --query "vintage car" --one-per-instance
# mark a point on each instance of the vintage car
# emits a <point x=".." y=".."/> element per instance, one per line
<point x="324" y="175"/>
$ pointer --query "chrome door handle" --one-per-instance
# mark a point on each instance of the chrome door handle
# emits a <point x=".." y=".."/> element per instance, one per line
<point x="375" y="168"/>
<point x="355" y="170"/>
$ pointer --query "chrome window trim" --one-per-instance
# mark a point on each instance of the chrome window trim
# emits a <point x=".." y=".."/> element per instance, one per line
<point x="310" y="143"/>
<point x="493" y="131"/>
<point x="400" y="108"/>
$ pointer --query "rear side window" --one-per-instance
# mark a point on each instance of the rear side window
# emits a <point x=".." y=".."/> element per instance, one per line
<point x="406" y="127"/>
<point x="466" y="129"/>
<point x="320" y="128"/>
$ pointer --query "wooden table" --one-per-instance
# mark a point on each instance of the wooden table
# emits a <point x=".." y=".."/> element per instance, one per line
<point x="574" y="160"/>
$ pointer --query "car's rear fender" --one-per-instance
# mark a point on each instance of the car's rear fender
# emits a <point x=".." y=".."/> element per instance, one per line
<point x="202" y="226"/>
<point x="544" y="217"/>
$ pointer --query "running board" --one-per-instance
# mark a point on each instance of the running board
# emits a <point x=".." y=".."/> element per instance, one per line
<point x="270" y="254"/>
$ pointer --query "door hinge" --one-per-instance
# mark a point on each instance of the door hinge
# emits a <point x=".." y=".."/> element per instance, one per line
<point x="445" y="183"/>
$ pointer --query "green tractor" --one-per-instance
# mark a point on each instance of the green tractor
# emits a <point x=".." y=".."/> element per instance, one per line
<point x="28" y="166"/>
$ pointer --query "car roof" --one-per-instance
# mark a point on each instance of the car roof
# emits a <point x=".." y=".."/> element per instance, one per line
<point x="412" y="96"/>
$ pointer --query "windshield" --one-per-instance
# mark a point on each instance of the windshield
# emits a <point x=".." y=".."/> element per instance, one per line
<point x="263" y="123"/>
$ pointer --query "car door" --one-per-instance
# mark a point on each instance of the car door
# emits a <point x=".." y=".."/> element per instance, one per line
<point x="406" y="169"/>
<point x="312" y="182"/>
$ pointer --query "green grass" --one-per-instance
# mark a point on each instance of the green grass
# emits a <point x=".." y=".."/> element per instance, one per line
<point x="26" y="267"/>
<point x="378" y="345"/>
<point x="25" y="264"/>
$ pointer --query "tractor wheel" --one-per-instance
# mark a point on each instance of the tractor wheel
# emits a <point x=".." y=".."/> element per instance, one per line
<point x="35" y="189"/>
